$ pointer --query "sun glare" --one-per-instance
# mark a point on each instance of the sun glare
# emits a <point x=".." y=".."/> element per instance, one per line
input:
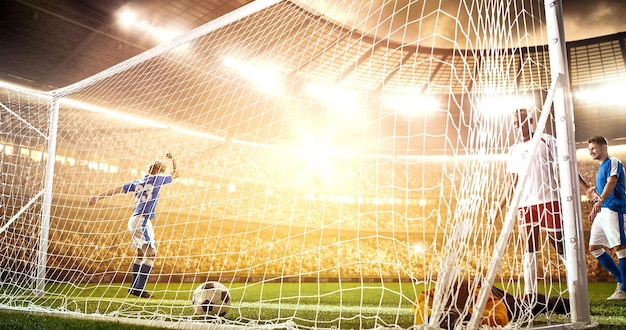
<point x="411" y="103"/>
<point x="335" y="97"/>
<point x="612" y="93"/>
<point x="499" y="105"/>
<point x="262" y="75"/>
<point x="112" y="114"/>
<point x="131" y="21"/>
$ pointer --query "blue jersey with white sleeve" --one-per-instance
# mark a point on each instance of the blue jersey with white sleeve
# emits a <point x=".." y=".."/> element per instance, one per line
<point x="147" y="192"/>
<point x="612" y="167"/>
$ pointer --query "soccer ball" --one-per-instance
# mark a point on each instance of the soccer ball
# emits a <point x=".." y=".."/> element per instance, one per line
<point x="211" y="299"/>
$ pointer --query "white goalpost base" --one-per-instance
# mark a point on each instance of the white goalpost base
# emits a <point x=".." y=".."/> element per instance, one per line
<point x="333" y="168"/>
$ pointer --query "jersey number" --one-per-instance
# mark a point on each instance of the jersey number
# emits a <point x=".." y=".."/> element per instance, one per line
<point x="144" y="193"/>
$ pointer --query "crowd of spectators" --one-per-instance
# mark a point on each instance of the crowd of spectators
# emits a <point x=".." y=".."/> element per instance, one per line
<point x="245" y="209"/>
<point x="250" y="210"/>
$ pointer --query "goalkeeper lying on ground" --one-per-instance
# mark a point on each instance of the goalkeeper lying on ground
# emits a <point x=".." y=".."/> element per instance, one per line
<point x="501" y="307"/>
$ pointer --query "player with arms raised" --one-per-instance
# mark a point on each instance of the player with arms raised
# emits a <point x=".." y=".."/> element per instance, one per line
<point x="146" y="191"/>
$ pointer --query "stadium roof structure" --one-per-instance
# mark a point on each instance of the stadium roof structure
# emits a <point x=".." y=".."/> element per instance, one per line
<point x="51" y="44"/>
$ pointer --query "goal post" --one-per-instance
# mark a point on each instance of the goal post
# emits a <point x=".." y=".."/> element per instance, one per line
<point x="336" y="164"/>
<point x="42" y="253"/>
<point x="575" y="247"/>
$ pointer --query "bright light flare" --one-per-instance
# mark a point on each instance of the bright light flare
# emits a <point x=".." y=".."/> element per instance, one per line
<point x="612" y="93"/>
<point x="335" y="97"/>
<point x="198" y="134"/>
<point x="127" y="17"/>
<point x="165" y="35"/>
<point x="417" y="249"/>
<point x="503" y="104"/>
<point x="263" y="76"/>
<point x="130" y="20"/>
<point x="316" y="155"/>
<point x="6" y="84"/>
<point x="113" y="114"/>
<point x="409" y="103"/>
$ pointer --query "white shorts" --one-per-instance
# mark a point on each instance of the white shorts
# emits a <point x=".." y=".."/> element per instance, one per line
<point x="607" y="229"/>
<point x="141" y="231"/>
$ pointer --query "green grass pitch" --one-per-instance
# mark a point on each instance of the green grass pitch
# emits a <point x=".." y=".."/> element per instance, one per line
<point x="378" y="305"/>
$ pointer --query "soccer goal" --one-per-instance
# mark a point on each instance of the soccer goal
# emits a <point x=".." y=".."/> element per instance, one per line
<point x="337" y="161"/>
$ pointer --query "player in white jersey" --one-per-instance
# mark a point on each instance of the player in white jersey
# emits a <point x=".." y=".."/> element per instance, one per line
<point x="539" y="206"/>
<point x="146" y="191"/>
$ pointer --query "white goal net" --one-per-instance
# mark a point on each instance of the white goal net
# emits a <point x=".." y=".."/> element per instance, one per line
<point x="333" y="171"/>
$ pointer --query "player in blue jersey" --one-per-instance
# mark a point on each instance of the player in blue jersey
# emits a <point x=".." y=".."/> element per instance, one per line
<point x="146" y="191"/>
<point x="607" y="214"/>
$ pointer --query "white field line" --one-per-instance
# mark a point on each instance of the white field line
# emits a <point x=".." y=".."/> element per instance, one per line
<point x="330" y="308"/>
<point x="368" y="310"/>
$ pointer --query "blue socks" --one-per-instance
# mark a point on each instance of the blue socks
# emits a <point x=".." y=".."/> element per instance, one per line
<point x="607" y="262"/>
<point x="622" y="268"/>
<point x="135" y="271"/>
<point x="142" y="277"/>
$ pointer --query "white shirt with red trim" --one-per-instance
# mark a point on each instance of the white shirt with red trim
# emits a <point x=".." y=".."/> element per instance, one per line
<point x="542" y="186"/>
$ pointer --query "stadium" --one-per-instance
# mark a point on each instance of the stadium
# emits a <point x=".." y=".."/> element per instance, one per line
<point x="336" y="160"/>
